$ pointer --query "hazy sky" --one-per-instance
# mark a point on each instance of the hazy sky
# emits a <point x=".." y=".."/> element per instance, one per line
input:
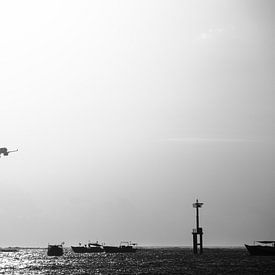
<point x="125" y="112"/>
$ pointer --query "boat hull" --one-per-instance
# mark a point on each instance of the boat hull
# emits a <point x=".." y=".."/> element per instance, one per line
<point x="119" y="249"/>
<point x="83" y="249"/>
<point x="9" y="250"/>
<point x="55" y="250"/>
<point x="261" y="250"/>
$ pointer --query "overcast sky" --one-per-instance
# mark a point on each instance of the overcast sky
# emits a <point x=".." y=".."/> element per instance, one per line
<point x="125" y="112"/>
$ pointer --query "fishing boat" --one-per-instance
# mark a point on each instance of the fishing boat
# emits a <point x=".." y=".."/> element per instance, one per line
<point x="264" y="248"/>
<point x="124" y="247"/>
<point x="90" y="248"/>
<point x="55" y="249"/>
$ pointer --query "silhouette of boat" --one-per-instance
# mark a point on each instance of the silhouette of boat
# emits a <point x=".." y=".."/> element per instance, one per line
<point x="55" y="250"/>
<point x="124" y="247"/>
<point x="267" y="248"/>
<point x="9" y="249"/>
<point x="90" y="248"/>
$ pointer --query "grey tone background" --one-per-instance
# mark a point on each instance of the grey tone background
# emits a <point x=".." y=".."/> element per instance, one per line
<point x="125" y="112"/>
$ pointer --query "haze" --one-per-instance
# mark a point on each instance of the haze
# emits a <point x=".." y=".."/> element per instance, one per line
<point x="126" y="112"/>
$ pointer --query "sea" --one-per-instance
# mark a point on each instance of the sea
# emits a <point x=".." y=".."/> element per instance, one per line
<point x="147" y="260"/>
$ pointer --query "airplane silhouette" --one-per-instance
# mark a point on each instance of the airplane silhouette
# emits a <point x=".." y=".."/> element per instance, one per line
<point x="5" y="151"/>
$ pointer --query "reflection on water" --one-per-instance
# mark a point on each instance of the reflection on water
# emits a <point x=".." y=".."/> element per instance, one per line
<point x="145" y="261"/>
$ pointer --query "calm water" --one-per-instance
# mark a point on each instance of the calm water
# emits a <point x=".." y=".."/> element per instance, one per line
<point x="145" y="261"/>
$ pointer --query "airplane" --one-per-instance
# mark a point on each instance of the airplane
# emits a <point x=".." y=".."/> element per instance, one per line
<point x="5" y="151"/>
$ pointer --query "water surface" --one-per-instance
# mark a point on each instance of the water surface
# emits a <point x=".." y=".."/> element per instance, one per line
<point x="145" y="261"/>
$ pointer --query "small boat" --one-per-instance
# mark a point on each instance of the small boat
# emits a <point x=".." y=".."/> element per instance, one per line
<point x="264" y="248"/>
<point x="124" y="247"/>
<point x="9" y="249"/>
<point x="90" y="248"/>
<point x="55" y="249"/>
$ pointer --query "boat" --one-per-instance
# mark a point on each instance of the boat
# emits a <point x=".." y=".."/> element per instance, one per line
<point x="55" y="249"/>
<point x="90" y="248"/>
<point x="124" y="247"/>
<point x="264" y="248"/>
<point x="9" y="249"/>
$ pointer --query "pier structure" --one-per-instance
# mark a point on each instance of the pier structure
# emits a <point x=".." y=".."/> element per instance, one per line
<point x="197" y="232"/>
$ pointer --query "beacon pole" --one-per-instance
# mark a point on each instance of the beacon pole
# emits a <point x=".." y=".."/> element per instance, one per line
<point x="197" y="232"/>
